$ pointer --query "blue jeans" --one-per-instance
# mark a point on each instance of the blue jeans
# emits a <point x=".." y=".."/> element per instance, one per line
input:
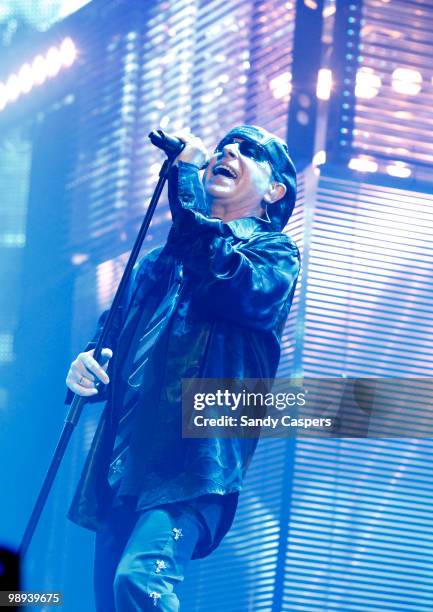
<point x="141" y="557"/>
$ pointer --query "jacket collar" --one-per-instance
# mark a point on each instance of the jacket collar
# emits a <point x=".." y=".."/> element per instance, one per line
<point x="247" y="226"/>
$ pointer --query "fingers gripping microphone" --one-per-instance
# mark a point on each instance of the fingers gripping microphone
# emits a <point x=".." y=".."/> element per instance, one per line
<point x="170" y="144"/>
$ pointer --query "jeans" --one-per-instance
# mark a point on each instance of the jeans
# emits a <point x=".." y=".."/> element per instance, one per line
<point x="141" y="557"/>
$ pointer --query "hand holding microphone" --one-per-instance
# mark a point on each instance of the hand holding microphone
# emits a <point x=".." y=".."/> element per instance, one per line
<point x="185" y="147"/>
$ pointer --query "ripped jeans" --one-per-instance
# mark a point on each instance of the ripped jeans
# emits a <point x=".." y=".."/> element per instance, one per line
<point x="140" y="558"/>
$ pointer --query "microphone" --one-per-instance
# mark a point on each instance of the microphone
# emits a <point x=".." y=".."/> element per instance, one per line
<point x="170" y="144"/>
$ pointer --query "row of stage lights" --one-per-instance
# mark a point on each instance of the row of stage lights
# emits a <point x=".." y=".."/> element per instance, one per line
<point x="33" y="74"/>
<point x="366" y="164"/>
<point x="47" y="66"/>
<point x="404" y="81"/>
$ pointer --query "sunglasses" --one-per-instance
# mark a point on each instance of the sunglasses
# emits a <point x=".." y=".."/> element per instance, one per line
<point x="253" y="150"/>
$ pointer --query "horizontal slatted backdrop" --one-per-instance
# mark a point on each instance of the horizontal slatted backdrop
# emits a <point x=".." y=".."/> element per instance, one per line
<point x="359" y="536"/>
<point x="384" y="85"/>
<point x="395" y="59"/>
<point x="361" y="527"/>
<point x="370" y="290"/>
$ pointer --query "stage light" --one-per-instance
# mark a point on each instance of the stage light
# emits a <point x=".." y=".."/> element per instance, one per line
<point x="403" y="115"/>
<point x="78" y="259"/>
<point x="164" y="122"/>
<point x="177" y="125"/>
<point x="399" y="169"/>
<point x="281" y="85"/>
<point x="329" y="10"/>
<point x="406" y="81"/>
<point x="324" y="84"/>
<point x="25" y="78"/>
<point x="53" y="62"/>
<point x="13" y="88"/>
<point x="319" y="158"/>
<point x="207" y="98"/>
<point x="363" y="164"/>
<point x="368" y="83"/>
<point x="37" y="72"/>
<point x="185" y="68"/>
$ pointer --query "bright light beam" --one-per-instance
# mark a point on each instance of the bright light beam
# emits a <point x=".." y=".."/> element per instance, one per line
<point x="407" y="81"/>
<point x="324" y="84"/>
<point x="68" y="52"/>
<point x="363" y="164"/>
<point x="37" y="72"/>
<point x="368" y="83"/>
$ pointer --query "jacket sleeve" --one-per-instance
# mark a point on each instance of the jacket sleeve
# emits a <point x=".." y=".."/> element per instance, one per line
<point x="250" y="282"/>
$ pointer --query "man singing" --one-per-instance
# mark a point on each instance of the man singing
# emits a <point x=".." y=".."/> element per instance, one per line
<point x="211" y="303"/>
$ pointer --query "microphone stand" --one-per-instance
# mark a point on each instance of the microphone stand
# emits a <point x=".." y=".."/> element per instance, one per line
<point x="78" y="402"/>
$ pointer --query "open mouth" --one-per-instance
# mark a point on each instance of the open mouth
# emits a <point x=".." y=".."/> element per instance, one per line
<point x="225" y="170"/>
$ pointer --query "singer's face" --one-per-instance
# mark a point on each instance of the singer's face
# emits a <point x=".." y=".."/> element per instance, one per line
<point x="236" y="180"/>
